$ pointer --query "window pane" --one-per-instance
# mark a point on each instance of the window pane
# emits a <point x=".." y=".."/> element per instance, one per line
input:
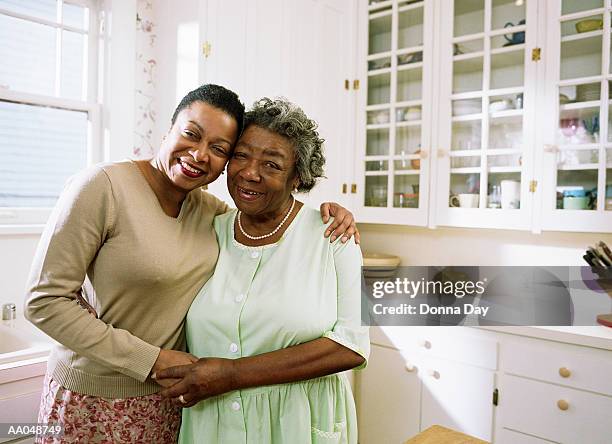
<point x="73" y="47"/>
<point x="44" y="9"/>
<point x="75" y="15"/>
<point x="39" y="149"/>
<point x="27" y="52"/>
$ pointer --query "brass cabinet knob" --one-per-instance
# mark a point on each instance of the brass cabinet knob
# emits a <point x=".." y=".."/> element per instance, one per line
<point x="562" y="404"/>
<point x="410" y="367"/>
<point x="564" y="372"/>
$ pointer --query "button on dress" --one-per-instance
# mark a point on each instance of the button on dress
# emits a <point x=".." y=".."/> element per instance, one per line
<point x="262" y="299"/>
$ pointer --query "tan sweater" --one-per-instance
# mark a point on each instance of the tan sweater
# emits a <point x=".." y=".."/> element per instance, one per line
<point x="145" y="268"/>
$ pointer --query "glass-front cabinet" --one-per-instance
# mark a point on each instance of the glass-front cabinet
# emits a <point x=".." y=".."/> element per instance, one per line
<point x="577" y="141"/>
<point x="507" y="103"/>
<point x="393" y="165"/>
<point x="487" y="91"/>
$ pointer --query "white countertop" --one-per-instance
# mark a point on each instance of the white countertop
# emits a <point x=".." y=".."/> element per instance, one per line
<point x="590" y="336"/>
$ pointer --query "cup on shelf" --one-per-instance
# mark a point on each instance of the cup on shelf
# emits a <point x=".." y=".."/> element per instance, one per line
<point x="465" y="200"/>
<point x="575" y="200"/>
<point x="510" y="194"/>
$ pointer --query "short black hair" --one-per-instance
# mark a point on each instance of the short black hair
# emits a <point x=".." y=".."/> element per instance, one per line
<point x="217" y="96"/>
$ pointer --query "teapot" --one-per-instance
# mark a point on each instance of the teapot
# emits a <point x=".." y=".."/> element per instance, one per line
<point x="517" y="37"/>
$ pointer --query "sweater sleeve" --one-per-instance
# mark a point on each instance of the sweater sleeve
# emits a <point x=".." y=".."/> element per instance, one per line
<point x="77" y="228"/>
<point x="348" y="330"/>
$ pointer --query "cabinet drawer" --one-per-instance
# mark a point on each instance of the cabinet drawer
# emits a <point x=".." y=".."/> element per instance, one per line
<point x="458" y="344"/>
<point x="535" y="408"/>
<point x="575" y="366"/>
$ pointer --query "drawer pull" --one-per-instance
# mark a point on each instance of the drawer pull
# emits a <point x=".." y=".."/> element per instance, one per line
<point x="562" y="404"/>
<point x="434" y="374"/>
<point x="564" y="372"/>
<point x="426" y="344"/>
<point x="410" y="367"/>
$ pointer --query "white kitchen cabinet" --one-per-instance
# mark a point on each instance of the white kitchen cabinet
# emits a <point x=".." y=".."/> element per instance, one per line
<point x="486" y="114"/>
<point x="389" y="397"/>
<point x="393" y="143"/>
<point x="514" y="112"/>
<point x="302" y="50"/>
<point x="577" y="141"/>
<point x="497" y="385"/>
<point x="408" y="389"/>
<point x="457" y="396"/>
<point x="20" y="392"/>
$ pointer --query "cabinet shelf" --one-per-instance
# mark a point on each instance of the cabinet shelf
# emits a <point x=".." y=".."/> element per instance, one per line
<point x="404" y="123"/>
<point x="375" y="126"/>
<point x="409" y="66"/>
<point x="407" y="172"/>
<point x="513" y="48"/>
<point x="579" y="105"/>
<point x="379" y="55"/>
<point x="466" y="170"/>
<point x="380" y="5"/>
<point x="581" y="36"/>
<point x="376" y="173"/>
<point x="582" y="167"/>
<point x="411" y="6"/>
<point x="506" y="115"/>
<point x="467" y="117"/>
<point x="377" y="15"/>
<point x="504" y="169"/>
<point x="581" y="14"/>
<point x="376" y="72"/>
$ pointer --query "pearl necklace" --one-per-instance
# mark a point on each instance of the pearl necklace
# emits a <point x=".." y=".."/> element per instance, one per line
<point x="278" y="227"/>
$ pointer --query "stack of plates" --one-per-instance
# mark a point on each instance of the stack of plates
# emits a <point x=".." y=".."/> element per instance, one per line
<point x="378" y="265"/>
<point x="588" y="92"/>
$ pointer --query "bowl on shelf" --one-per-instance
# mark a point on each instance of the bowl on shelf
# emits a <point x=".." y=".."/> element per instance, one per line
<point x="500" y="105"/>
<point x="589" y="25"/>
<point x="379" y="265"/>
<point x="413" y="113"/>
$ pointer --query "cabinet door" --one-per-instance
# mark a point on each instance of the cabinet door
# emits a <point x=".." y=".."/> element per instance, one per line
<point x="577" y="143"/>
<point x="457" y="396"/>
<point x="388" y="398"/>
<point x="395" y="103"/>
<point x="298" y="50"/>
<point x="486" y="115"/>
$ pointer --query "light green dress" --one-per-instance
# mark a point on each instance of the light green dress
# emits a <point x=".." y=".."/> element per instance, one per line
<point x="262" y="299"/>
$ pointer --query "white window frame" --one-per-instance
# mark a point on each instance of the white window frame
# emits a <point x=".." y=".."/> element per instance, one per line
<point x="24" y="220"/>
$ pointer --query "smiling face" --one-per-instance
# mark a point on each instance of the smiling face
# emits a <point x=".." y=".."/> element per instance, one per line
<point x="261" y="172"/>
<point x="197" y="147"/>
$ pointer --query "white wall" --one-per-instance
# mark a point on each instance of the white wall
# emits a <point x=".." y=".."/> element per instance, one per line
<point x="462" y="246"/>
<point x="176" y="52"/>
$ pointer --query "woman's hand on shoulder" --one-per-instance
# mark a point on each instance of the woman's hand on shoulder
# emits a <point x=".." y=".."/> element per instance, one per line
<point x="343" y="225"/>
<point x="170" y="358"/>
<point x="205" y="378"/>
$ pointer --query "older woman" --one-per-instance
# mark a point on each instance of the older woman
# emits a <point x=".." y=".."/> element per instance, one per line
<point x="280" y="318"/>
<point x="141" y="231"/>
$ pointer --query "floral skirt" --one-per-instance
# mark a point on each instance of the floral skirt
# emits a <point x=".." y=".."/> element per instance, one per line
<point x="92" y="419"/>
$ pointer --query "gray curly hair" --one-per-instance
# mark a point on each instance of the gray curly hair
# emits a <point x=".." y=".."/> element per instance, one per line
<point x="287" y="119"/>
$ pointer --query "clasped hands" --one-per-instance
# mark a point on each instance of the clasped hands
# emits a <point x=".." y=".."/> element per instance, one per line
<point x="189" y="379"/>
